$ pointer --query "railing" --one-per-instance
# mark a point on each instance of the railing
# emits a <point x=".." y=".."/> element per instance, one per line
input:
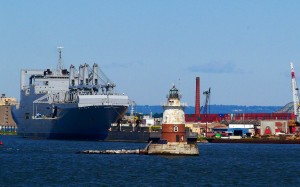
<point x="172" y="104"/>
<point x="60" y="97"/>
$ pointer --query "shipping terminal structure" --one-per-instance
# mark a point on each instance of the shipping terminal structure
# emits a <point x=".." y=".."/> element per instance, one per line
<point x="284" y="122"/>
<point x="62" y="104"/>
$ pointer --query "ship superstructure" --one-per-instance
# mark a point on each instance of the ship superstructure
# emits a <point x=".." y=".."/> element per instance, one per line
<point x="62" y="104"/>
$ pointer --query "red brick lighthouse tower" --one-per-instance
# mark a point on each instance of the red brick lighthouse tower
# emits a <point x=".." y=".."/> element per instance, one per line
<point x="173" y="139"/>
<point x="173" y="124"/>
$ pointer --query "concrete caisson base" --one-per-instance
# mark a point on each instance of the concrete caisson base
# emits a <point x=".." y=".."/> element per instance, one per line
<point x="173" y="148"/>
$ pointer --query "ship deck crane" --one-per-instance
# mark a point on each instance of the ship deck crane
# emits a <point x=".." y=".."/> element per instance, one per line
<point x="295" y="91"/>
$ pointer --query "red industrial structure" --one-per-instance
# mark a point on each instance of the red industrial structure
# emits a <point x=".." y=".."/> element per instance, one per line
<point x="237" y="117"/>
<point x="206" y="117"/>
<point x="197" y="100"/>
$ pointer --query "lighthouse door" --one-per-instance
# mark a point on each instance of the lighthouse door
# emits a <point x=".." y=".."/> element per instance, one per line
<point x="177" y="138"/>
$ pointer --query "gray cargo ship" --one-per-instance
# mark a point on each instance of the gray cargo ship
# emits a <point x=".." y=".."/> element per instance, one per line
<point x="62" y="104"/>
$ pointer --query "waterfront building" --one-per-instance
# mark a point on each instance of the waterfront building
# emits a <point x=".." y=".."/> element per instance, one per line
<point x="7" y="124"/>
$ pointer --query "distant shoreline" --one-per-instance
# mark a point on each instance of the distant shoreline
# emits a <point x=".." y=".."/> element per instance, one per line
<point x="213" y="109"/>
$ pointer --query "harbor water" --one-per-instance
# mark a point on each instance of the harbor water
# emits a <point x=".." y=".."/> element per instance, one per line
<point x="26" y="162"/>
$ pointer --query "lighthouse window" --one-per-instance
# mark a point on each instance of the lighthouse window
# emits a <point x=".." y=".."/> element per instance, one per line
<point x="175" y="128"/>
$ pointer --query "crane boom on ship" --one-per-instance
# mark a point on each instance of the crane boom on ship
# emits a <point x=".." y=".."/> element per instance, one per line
<point x="295" y="91"/>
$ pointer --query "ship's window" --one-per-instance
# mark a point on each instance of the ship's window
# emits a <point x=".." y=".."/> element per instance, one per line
<point x="175" y="128"/>
<point x="27" y="91"/>
<point x="26" y="115"/>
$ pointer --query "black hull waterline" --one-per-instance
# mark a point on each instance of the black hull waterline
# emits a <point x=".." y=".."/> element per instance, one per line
<point x="77" y="123"/>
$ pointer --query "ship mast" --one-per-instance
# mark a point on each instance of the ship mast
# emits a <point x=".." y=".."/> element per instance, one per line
<point x="60" y="64"/>
<point x="295" y="93"/>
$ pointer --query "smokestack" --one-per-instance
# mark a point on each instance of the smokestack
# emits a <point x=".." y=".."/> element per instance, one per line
<point x="197" y="100"/>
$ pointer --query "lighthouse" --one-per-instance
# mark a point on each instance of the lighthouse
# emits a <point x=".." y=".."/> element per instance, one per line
<point x="173" y="139"/>
<point x="173" y="124"/>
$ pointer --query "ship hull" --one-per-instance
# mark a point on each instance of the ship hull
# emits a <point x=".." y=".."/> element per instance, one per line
<point x="72" y="122"/>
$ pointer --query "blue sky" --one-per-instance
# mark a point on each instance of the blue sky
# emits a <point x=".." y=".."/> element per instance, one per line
<point x="241" y="49"/>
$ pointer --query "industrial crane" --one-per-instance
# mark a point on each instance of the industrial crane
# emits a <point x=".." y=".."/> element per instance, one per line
<point x="205" y="108"/>
<point x="295" y="91"/>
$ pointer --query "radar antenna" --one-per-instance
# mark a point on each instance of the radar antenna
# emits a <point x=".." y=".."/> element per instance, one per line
<point x="60" y="64"/>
